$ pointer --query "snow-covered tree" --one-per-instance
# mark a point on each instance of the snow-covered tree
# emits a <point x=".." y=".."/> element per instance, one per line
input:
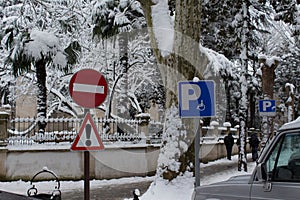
<point x="222" y="27"/>
<point x="117" y="19"/>
<point x="32" y="46"/>
<point x="176" y="47"/>
<point x="233" y="28"/>
<point x="287" y="14"/>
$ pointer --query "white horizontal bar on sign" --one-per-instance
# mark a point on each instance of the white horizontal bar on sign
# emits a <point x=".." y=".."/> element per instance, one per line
<point x="78" y="87"/>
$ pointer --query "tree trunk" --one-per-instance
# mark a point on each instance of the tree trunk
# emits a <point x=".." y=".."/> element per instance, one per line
<point x="42" y="95"/>
<point x="123" y="102"/>
<point x="290" y="103"/>
<point x="252" y="110"/>
<point x="184" y="63"/>
<point x="268" y="78"/>
<point x="244" y="87"/>
<point x="228" y="101"/>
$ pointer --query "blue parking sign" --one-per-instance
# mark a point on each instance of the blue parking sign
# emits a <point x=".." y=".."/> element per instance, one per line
<point x="196" y="99"/>
<point x="267" y="107"/>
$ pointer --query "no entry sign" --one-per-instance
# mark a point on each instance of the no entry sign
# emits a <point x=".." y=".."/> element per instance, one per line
<point x="88" y="88"/>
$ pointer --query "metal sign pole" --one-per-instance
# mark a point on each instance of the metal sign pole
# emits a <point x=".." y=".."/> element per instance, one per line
<point x="197" y="159"/>
<point x="86" y="170"/>
<point x="86" y="175"/>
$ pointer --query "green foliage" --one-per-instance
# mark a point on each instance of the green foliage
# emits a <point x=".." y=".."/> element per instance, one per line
<point x="102" y="30"/>
<point x="17" y="58"/>
<point x="8" y="42"/>
<point x="222" y="26"/>
<point x="285" y="10"/>
<point x="72" y="54"/>
<point x="219" y="25"/>
<point x="149" y="93"/>
<point x="112" y="17"/>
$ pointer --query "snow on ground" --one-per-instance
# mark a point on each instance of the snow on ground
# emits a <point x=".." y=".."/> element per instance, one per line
<point x="178" y="189"/>
<point x="182" y="187"/>
<point x="226" y="174"/>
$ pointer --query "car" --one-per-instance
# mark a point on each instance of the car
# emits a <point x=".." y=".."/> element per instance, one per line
<point x="276" y="174"/>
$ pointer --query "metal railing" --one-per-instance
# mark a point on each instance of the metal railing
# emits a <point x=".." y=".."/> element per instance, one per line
<point x="25" y="131"/>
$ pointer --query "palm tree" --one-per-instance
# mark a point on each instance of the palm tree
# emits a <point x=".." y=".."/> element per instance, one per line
<point x="34" y="50"/>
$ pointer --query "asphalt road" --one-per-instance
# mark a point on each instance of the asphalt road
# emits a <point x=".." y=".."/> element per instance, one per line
<point x="111" y="192"/>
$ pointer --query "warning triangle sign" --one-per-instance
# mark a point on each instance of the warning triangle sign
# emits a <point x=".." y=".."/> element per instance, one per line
<point x="88" y="138"/>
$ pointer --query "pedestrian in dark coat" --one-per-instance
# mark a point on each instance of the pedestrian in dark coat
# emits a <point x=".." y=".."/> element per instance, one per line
<point x="254" y="143"/>
<point x="229" y="141"/>
<point x="136" y="194"/>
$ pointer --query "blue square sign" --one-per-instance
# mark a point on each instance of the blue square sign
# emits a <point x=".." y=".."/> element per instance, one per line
<point x="196" y="99"/>
<point x="267" y="107"/>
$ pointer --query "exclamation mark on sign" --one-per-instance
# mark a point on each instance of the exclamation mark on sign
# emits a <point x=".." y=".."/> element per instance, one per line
<point x="88" y="129"/>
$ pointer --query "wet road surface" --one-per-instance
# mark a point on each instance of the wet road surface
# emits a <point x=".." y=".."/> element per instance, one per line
<point x="111" y="192"/>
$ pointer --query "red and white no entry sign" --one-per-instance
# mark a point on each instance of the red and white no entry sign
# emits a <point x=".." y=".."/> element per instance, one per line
<point x="88" y="88"/>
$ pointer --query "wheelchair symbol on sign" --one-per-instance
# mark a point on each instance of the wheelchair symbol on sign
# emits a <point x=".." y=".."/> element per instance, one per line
<point x="201" y="106"/>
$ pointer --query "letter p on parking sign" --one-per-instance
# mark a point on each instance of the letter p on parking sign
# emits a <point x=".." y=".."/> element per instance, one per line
<point x="190" y="92"/>
<point x="196" y="99"/>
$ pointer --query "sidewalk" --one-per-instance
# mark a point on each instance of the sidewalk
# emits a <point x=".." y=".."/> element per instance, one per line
<point x="212" y="170"/>
<point x="213" y="167"/>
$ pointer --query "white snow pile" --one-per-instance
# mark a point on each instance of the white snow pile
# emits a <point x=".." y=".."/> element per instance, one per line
<point x="173" y="147"/>
<point x="180" y="188"/>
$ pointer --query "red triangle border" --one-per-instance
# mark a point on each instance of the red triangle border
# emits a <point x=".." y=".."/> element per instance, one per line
<point x="74" y="146"/>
